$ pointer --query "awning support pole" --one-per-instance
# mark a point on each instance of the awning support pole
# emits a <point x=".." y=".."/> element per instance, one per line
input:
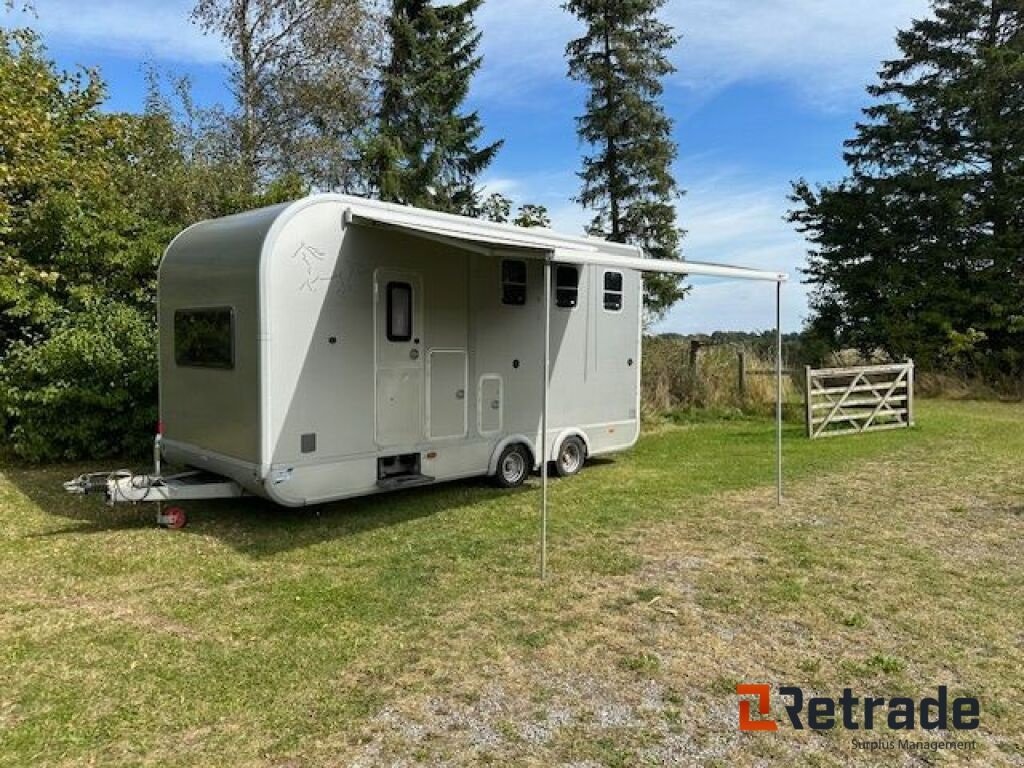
<point x="544" y="424"/>
<point x="778" y="391"/>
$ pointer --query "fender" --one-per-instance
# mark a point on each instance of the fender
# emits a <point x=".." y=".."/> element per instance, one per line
<point x="492" y="465"/>
<point x="568" y="432"/>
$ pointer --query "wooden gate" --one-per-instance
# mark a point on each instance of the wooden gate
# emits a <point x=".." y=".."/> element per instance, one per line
<point x="843" y="401"/>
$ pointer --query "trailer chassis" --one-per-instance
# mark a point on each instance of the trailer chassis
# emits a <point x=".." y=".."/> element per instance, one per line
<point x="123" y="486"/>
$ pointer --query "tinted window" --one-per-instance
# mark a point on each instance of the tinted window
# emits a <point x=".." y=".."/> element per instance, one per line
<point x="613" y="291"/>
<point x="205" y="338"/>
<point x="567" y="286"/>
<point x="513" y="282"/>
<point x="399" y="312"/>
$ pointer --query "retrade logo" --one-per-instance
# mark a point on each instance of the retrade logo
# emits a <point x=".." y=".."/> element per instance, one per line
<point x="763" y="694"/>
<point x="821" y="713"/>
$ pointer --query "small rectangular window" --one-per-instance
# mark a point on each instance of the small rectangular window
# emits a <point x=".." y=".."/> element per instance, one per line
<point x="399" y="312"/>
<point x="567" y="286"/>
<point x="205" y="338"/>
<point x="613" y="291"/>
<point x="513" y="282"/>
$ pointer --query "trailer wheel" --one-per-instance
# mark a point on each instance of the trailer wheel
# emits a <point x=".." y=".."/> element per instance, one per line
<point x="513" y="466"/>
<point x="571" y="456"/>
<point x="173" y="518"/>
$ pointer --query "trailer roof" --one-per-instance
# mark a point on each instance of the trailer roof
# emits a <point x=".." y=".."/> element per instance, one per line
<point x="545" y="244"/>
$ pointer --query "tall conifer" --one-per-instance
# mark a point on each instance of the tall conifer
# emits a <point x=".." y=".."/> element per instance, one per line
<point x="426" y="150"/>
<point x="919" y="251"/>
<point x="627" y="176"/>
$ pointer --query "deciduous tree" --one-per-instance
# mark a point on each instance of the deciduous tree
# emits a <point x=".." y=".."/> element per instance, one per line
<point x="301" y="74"/>
<point x="532" y="215"/>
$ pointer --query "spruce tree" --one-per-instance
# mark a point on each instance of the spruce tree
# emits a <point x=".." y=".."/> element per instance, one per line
<point x="627" y="177"/>
<point x="425" y="151"/>
<point x="919" y="251"/>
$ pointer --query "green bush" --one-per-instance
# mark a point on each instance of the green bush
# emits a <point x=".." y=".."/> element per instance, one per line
<point x="87" y="391"/>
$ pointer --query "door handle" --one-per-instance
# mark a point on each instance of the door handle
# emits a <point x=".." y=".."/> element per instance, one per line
<point x="495" y="404"/>
<point x="460" y="394"/>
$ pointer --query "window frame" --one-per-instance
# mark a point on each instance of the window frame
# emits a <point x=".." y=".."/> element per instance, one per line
<point x="558" y="287"/>
<point x="605" y="291"/>
<point x="390" y="299"/>
<point x="508" y="283"/>
<point x="181" y="362"/>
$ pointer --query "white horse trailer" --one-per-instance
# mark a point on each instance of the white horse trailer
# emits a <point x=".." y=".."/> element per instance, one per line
<point x="336" y="347"/>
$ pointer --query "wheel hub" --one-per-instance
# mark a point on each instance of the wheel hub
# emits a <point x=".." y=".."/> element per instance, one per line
<point x="570" y="458"/>
<point x="513" y="466"/>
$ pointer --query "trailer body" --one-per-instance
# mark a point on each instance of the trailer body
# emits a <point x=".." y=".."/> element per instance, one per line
<point x="335" y="347"/>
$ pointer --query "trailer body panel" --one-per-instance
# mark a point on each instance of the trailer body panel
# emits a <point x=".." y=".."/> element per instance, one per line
<point x="356" y="349"/>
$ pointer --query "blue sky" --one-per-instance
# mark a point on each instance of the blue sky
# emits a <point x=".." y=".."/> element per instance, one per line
<point x="766" y="92"/>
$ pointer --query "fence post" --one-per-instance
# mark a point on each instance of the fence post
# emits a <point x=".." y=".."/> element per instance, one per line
<point x="742" y="375"/>
<point x="910" y="394"/>
<point x="808" y="401"/>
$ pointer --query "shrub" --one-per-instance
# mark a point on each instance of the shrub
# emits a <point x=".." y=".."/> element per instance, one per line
<point x="88" y="390"/>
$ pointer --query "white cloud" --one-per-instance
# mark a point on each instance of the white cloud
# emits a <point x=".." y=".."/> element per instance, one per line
<point x="825" y="49"/>
<point x="733" y="221"/>
<point x="144" y="29"/>
<point x="497" y="185"/>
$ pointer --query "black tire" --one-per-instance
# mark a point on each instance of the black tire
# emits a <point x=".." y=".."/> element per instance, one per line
<point x="572" y="454"/>
<point x="513" y="466"/>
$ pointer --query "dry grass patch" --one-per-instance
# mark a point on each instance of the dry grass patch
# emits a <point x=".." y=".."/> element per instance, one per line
<point x="892" y="578"/>
<point x="412" y="630"/>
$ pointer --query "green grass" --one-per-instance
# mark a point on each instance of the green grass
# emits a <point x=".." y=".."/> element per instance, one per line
<point x="265" y="636"/>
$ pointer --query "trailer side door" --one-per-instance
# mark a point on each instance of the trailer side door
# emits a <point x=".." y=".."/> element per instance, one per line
<point x="399" y="359"/>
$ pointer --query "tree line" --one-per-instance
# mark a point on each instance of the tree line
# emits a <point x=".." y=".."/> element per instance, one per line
<point x="326" y="95"/>
<point x="919" y="251"/>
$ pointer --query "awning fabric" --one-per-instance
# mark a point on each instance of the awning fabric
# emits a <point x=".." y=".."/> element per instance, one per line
<point x="492" y="239"/>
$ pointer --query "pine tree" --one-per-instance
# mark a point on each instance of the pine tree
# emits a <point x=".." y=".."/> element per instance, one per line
<point x="919" y="251"/>
<point x="426" y="149"/>
<point x="627" y="179"/>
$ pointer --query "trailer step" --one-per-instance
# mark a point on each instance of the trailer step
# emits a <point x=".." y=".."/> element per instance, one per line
<point x="404" y="481"/>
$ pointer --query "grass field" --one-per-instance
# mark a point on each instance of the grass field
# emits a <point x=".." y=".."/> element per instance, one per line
<point x="412" y="629"/>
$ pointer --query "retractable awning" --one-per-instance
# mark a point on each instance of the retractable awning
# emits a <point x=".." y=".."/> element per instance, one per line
<point x="490" y="239"/>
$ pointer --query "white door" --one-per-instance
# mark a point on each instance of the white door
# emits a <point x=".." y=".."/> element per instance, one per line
<point x="398" y="326"/>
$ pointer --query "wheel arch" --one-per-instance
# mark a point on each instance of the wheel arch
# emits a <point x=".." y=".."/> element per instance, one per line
<point x="492" y="465"/>
<point x="567" y="432"/>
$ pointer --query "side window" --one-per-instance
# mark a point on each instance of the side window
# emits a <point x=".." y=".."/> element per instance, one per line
<point x="513" y="282"/>
<point x="205" y="338"/>
<point x="613" y="291"/>
<point x="399" y="312"/>
<point x="567" y="286"/>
